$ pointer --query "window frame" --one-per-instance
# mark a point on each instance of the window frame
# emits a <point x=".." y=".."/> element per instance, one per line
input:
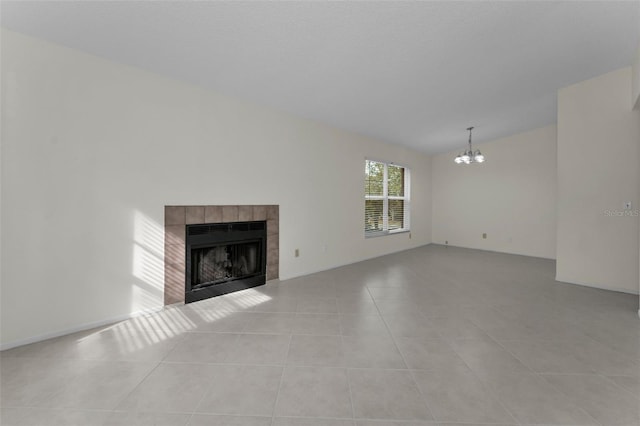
<point x="386" y="198"/>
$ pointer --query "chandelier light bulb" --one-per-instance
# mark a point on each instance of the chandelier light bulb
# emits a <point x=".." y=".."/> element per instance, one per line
<point x="479" y="157"/>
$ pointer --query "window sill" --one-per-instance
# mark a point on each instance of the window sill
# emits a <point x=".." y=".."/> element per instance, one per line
<point x="385" y="233"/>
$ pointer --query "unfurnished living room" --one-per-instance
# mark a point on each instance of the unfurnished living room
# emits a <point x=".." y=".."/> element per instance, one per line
<point x="320" y="213"/>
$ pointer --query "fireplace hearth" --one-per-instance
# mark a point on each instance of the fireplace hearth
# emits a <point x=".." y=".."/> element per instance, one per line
<point x="224" y="257"/>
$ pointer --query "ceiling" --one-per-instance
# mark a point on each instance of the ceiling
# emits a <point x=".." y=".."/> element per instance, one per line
<point x="411" y="73"/>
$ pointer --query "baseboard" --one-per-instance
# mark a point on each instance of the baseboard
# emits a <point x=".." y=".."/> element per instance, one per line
<point x="584" y="284"/>
<point x="340" y="265"/>
<point x="599" y="287"/>
<point x="75" y="329"/>
<point x="513" y="253"/>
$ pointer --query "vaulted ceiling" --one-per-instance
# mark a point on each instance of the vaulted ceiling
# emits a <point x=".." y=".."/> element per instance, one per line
<point x="412" y="73"/>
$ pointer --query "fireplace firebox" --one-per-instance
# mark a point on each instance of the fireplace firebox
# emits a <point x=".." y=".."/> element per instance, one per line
<point x="224" y="257"/>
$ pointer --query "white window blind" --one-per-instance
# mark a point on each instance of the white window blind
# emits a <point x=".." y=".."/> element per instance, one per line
<point x="386" y="198"/>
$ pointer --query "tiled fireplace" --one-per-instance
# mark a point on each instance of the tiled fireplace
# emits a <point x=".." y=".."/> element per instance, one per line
<point x="176" y="219"/>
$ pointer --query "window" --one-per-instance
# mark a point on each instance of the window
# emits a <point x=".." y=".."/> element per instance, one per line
<point x="386" y="198"/>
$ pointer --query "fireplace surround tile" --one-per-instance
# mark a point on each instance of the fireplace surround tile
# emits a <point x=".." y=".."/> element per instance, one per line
<point x="272" y="271"/>
<point x="195" y="214"/>
<point x="273" y="220"/>
<point x="259" y="212"/>
<point x="174" y="234"/>
<point x="272" y="243"/>
<point x="173" y="271"/>
<point x="272" y="212"/>
<point x="176" y="219"/>
<point x="174" y="215"/>
<point x="173" y="284"/>
<point x="272" y="227"/>
<point x="213" y="214"/>
<point x="174" y="253"/>
<point x="273" y="254"/>
<point x="229" y="214"/>
<point x="245" y="213"/>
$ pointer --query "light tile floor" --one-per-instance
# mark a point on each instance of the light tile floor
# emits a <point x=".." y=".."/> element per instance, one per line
<point x="431" y="336"/>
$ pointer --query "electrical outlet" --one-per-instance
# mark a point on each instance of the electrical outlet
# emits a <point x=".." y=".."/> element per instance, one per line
<point x="297" y="253"/>
<point x="484" y="235"/>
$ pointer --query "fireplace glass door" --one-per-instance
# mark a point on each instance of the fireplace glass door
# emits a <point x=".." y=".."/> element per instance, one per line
<point x="224" y="257"/>
<point x="222" y="263"/>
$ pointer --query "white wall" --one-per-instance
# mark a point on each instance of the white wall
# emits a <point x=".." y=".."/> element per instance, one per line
<point x="93" y="150"/>
<point x="598" y="136"/>
<point x="635" y="98"/>
<point x="511" y="197"/>
<point x="635" y="84"/>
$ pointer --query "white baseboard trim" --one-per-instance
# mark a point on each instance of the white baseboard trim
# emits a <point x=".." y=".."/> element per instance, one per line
<point x="599" y="287"/>
<point x="75" y="329"/>
<point x="340" y="265"/>
<point x="513" y="253"/>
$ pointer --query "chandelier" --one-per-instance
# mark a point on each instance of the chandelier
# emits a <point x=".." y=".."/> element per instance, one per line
<point x="468" y="157"/>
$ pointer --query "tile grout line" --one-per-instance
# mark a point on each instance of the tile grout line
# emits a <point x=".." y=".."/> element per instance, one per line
<point x="535" y="373"/>
<point x="486" y="386"/>
<point x="353" y="408"/>
<point x="275" y="403"/>
<point x="395" y="344"/>
<point x="541" y="375"/>
<point x="121" y="400"/>
<point x="613" y="382"/>
<point x="204" y="393"/>
<point x="477" y="378"/>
